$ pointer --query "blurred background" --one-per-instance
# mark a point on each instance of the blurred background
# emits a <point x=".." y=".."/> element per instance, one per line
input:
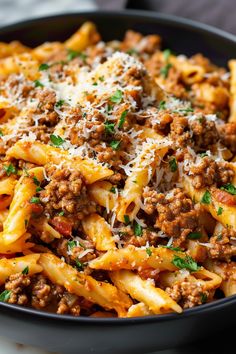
<point x="219" y="13"/>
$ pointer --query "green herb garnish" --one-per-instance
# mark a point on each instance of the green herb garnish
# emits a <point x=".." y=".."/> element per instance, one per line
<point x="165" y="70"/>
<point x="117" y="97"/>
<point x="25" y="271"/>
<point x="185" y="263"/>
<point x="162" y="105"/>
<point x="220" y="211"/>
<point x="79" y="265"/>
<point x="113" y="190"/>
<point x="122" y="119"/>
<point x="43" y="67"/>
<point x="36" y="181"/>
<point x="230" y="188"/>
<point x="206" y="198"/>
<point x="1" y="133"/>
<point x="61" y="213"/>
<point x="59" y="103"/>
<point x="109" y="127"/>
<point x="149" y="251"/>
<point x="166" y="54"/>
<point x="203" y="298"/>
<point x="126" y="219"/>
<point x="173" y="164"/>
<point x="56" y="140"/>
<point x="138" y="230"/>
<point x="194" y="235"/>
<point x="115" y="145"/>
<point x="9" y="169"/>
<point x="37" y="83"/>
<point x="35" y="200"/>
<point x="5" y="295"/>
<point x="71" y="244"/>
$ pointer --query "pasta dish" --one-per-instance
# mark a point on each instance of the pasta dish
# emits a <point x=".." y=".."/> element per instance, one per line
<point x="118" y="177"/>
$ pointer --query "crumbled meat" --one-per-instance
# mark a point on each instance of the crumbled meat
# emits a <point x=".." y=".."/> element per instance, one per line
<point x="227" y="134"/>
<point x="187" y="294"/>
<point x="134" y="40"/>
<point x="223" y="246"/>
<point x="209" y="172"/>
<point x="41" y="292"/>
<point x="176" y="214"/>
<point x="179" y="132"/>
<point x="204" y="132"/>
<point x="17" y="284"/>
<point x="47" y="100"/>
<point x="69" y="304"/>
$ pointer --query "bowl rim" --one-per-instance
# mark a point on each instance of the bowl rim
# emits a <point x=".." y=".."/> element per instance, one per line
<point x="162" y="18"/>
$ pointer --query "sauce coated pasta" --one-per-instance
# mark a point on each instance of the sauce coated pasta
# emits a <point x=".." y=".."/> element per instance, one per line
<point x="117" y="177"/>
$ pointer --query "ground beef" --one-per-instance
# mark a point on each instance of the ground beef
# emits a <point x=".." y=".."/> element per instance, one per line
<point x="204" y="132"/>
<point x="41" y="292"/>
<point x="69" y="304"/>
<point x="66" y="191"/>
<point x="176" y="214"/>
<point x="227" y="134"/>
<point x="17" y="285"/>
<point x="222" y="246"/>
<point x="187" y="294"/>
<point x="134" y="40"/>
<point x="179" y="132"/>
<point x="209" y="172"/>
<point x="72" y="255"/>
<point x="47" y="101"/>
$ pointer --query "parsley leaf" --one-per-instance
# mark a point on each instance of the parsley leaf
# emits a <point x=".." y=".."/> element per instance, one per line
<point x="149" y="251"/>
<point x="71" y="244"/>
<point x="9" y="169"/>
<point x="79" y="265"/>
<point x="101" y="78"/>
<point x="38" y="189"/>
<point x="115" y="145"/>
<point x="113" y="190"/>
<point x="203" y="154"/>
<point x="56" y="140"/>
<point x="35" y="200"/>
<point x="177" y="249"/>
<point x="36" y="181"/>
<point x="186" y="263"/>
<point x="162" y="105"/>
<point x="25" y="271"/>
<point x="5" y="295"/>
<point x="61" y="213"/>
<point x="206" y="198"/>
<point x="220" y="211"/>
<point x="37" y="83"/>
<point x="59" y="103"/>
<point x="138" y="231"/>
<point x="203" y="298"/>
<point x="194" y="235"/>
<point x="1" y="133"/>
<point x="173" y="164"/>
<point x="165" y="70"/>
<point x="131" y="51"/>
<point x="72" y="54"/>
<point x="166" y="54"/>
<point x="126" y="219"/>
<point x="109" y="127"/>
<point x="230" y="188"/>
<point x="122" y="119"/>
<point x="117" y="97"/>
<point x="43" y="67"/>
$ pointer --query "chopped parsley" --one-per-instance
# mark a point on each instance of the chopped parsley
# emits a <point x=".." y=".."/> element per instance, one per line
<point x="220" y="211"/>
<point x="72" y="54"/>
<point x="148" y="251"/>
<point x="115" y="145"/>
<point x="1" y="133"/>
<point x="219" y="237"/>
<point x="185" y="263"/>
<point x="203" y="298"/>
<point x="162" y="105"/>
<point x="43" y="67"/>
<point x="9" y="169"/>
<point x="203" y="154"/>
<point x="126" y="219"/>
<point x="194" y="235"/>
<point x="177" y="249"/>
<point x="131" y="51"/>
<point x="35" y="200"/>
<point x="61" y="213"/>
<point x="117" y="97"/>
<point x="122" y="119"/>
<point x="230" y="188"/>
<point x="56" y="140"/>
<point x="101" y="78"/>
<point x="79" y="265"/>
<point x="166" y="54"/>
<point x="165" y="70"/>
<point x="37" y="83"/>
<point x="59" y="103"/>
<point x="109" y="127"/>
<point x="113" y="190"/>
<point x="138" y="231"/>
<point x="186" y="110"/>
<point x="36" y="181"/>
<point x="5" y="295"/>
<point x="173" y="164"/>
<point x="25" y="271"/>
<point x="71" y="244"/>
<point x="39" y="189"/>
<point x="206" y="198"/>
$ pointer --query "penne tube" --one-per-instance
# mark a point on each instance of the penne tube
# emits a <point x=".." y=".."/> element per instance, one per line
<point x="232" y="67"/>
<point x="98" y="230"/>
<point x="42" y="154"/>
<point x="100" y="192"/>
<point x="85" y="36"/>
<point x="138" y="310"/>
<point x="101" y="293"/>
<point x="157" y="300"/>
<point x="17" y="265"/>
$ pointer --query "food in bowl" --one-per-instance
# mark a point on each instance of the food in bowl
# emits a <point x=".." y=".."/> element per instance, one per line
<point x="117" y="177"/>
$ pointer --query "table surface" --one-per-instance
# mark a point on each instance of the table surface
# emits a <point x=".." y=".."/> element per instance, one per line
<point x="219" y="13"/>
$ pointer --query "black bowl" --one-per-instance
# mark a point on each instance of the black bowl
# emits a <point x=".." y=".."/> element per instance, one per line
<point x="67" y="334"/>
